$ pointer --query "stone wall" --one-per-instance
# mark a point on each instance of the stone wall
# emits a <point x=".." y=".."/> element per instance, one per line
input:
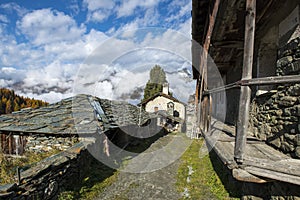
<point x="190" y="117"/>
<point x="48" y="178"/>
<point x="39" y="144"/>
<point x="275" y="114"/>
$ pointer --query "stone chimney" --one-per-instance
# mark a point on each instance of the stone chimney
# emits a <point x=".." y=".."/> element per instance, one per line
<point x="165" y="88"/>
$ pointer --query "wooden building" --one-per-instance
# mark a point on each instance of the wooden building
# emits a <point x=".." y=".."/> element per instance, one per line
<point x="242" y="50"/>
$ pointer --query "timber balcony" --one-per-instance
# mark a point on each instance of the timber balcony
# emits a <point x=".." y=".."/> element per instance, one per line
<point x="248" y="42"/>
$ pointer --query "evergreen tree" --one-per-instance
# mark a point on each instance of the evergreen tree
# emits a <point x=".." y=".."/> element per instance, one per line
<point x="157" y="75"/>
<point x="155" y="84"/>
<point x="10" y="102"/>
<point x="9" y="107"/>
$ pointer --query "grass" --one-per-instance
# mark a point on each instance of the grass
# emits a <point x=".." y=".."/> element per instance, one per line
<point x="8" y="165"/>
<point x="88" y="192"/>
<point x="95" y="178"/>
<point x="204" y="183"/>
<point x="99" y="176"/>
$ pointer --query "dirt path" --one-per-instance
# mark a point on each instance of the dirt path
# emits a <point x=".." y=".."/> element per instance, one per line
<point x="157" y="184"/>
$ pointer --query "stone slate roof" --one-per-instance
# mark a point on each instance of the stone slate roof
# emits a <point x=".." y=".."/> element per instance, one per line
<point x="83" y="114"/>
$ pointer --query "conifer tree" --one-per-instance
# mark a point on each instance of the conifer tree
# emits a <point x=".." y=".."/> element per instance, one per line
<point x="155" y="84"/>
<point x="10" y="102"/>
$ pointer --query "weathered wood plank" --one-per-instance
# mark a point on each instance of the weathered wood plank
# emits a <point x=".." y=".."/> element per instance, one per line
<point x="202" y="85"/>
<point x="284" y="167"/>
<point x="270" y="152"/>
<point x="273" y="175"/>
<point x="270" y="80"/>
<point x="243" y="175"/>
<point x="224" y="150"/>
<point x="228" y="44"/>
<point x="244" y="105"/>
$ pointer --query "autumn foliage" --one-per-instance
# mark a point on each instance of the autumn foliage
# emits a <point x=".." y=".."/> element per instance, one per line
<point x="10" y="102"/>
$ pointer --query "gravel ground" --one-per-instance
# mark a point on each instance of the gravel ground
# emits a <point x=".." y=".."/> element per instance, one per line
<point x="158" y="183"/>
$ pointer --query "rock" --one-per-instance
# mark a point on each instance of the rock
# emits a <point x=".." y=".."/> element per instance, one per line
<point x="297" y="140"/>
<point x="267" y="129"/>
<point x="282" y="62"/>
<point x="294" y="90"/>
<point x="279" y="112"/>
<point x="276" y="142"/>
<point x="294" y="119"/>
<point x="287" y="101"/>
<point x="297" y="110"/>
<point x="297" y="152"/>
<point x="274" y="130"/>
<point x="280" y="122"/>
<point x="286" y="147"/>
<point x="290" y="138"/>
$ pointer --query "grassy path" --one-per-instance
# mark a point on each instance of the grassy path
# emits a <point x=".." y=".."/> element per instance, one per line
<point x="197" y="176"/>
<point x="188" y="177"/>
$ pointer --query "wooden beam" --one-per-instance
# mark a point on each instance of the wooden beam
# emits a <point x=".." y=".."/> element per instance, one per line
<point x="271" y="80"/>
<point x="265" y="9"/>
<point x="242" y="175"/>
<point x="245" y="96"/>
<point x="273" y="175"/>
<point x="229" y="44"/>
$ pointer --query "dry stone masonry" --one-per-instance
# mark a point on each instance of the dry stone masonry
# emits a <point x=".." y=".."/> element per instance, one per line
<point x="275" y="114"/>
<point x="46" y="179"/>
<point x="45" y="144"/>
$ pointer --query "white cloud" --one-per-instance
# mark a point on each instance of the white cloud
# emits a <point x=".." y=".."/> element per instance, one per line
<point x="121" y="66"/>
<point x="46" y="68"/>
<point x="47" y="26"/>
<point x="74" y="7"/>
<point x="128" y="7"/>
<point x="4" y="19"/>
<point x="185" y="9"/>
<point x="99" y="10"/>
<point x="10" y="76"/>
<point x="14" y="8"/>
<point x="186" y="28"/>
<point x="50" y="97"/>
<point x="93" y="5"/>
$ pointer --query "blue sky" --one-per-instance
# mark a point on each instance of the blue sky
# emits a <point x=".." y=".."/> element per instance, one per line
<point x="47" y="47"/>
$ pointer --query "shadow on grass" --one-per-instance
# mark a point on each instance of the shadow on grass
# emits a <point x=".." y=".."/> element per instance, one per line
<point x="231" y="185"/>
<point x="94" y="176"/>
<point x="247" y="190"/>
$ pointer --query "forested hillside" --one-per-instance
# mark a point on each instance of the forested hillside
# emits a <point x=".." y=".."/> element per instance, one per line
<point x="10" y="102"/>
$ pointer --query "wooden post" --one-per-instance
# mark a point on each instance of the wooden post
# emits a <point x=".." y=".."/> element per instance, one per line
<point x="1" y="141"/>
<point x="19" y="175"/>
<point x="203" y="62"/>
<point x="245" y="96"/>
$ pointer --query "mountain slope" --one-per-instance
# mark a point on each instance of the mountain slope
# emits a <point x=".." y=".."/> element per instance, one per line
<point x="10" y="102"/>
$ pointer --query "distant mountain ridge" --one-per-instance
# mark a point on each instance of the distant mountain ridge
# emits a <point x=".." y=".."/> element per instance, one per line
<point x="10" y="102"/>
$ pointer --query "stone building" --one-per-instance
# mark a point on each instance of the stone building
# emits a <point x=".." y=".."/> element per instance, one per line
<point x="167" y="106"/>
<point x="163" y="101"/>
<point x="60" y="125"/>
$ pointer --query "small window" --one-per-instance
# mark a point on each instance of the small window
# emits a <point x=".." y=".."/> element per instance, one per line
<point x="176" y="113"/>
<point x="170" y="108"/>
<point x="155" y="109"/>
